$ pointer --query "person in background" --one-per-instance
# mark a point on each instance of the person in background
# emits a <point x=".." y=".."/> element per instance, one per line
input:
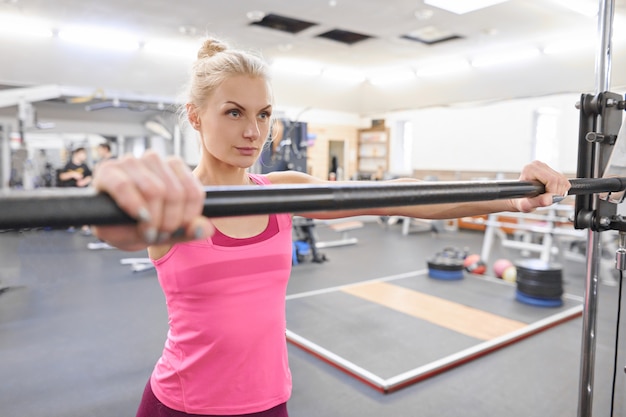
<point x="104" y="152"/>
<point x="76" y="172"/>
<point x="225" y="279"/>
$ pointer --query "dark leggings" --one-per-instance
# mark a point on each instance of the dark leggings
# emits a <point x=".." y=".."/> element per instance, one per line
<point x="150" y="406"/>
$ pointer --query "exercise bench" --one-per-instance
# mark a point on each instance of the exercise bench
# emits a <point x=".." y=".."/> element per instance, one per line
<point x="343" y="228"/>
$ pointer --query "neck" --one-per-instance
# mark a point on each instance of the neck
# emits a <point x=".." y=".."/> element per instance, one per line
<point x="233" y="176"/>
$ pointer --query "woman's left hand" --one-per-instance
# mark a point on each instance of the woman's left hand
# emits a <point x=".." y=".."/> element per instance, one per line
<point x="556" y="185"/>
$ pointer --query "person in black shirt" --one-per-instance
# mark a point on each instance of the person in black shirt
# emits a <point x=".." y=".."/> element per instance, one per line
<point x="76" y="173"/>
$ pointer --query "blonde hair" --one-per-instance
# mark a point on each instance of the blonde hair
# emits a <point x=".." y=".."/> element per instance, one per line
<point x="217" y="62"/>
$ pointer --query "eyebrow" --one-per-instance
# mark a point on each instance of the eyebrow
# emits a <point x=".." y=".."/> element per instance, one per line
<point x="269" y="106"/>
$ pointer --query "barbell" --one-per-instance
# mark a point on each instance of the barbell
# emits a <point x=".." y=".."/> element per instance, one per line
<point x="64" y="207"/>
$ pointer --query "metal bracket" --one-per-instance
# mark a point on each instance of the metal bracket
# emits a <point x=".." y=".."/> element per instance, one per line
<point x="600" y="139"/>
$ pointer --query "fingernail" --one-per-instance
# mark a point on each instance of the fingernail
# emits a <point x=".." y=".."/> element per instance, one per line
<point x="180" y="232"/>
<point x="557" y="199"/>
<point x="150" y="235"/>
<point x="198" y="232"/>
<point x="143" y="215"/>
<point x="163" y="236"/>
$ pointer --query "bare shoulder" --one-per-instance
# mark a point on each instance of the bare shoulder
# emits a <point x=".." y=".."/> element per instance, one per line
<point x="292" y="177"/>
<point x="158" y="251"/>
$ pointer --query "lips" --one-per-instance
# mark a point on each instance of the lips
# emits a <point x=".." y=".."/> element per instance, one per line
<point x="246" y="150"/>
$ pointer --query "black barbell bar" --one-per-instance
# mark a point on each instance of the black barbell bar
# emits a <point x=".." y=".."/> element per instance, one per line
<point x="70" y="207"/>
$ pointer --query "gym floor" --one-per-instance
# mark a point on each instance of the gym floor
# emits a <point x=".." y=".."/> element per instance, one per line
<point x="80" y="333"/>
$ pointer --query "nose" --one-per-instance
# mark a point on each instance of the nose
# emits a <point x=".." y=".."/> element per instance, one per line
<point x="252" y="131"/>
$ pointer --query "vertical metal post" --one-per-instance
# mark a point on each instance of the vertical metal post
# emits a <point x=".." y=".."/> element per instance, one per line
<point x="5" y="157"/>
<point x="588" y="345"/>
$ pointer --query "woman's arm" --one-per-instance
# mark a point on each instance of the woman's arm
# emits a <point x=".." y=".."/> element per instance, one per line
<point x="555" y="184"/>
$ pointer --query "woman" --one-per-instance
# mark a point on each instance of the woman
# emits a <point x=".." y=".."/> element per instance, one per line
<point x="225" y="279"/>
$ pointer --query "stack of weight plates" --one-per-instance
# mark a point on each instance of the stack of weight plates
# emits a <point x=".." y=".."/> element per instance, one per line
<point x="447" y="264"/>
<point x="539" y="283"/>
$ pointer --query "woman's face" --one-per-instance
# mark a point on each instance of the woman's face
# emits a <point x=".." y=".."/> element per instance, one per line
<point x="236" y="120"/>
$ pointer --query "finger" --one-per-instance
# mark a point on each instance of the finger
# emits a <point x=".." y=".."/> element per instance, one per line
<point x="173" y="201"/>
<point x="119" y="186"/>
<point x="554" y="182"/>
<point x="127" y="237"/>
<point x="198" y="228"/>
<point x="152" y="191"/>
<point x="193" y="191"/>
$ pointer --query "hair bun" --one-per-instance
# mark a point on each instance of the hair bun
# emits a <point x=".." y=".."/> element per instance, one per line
<point x="211" y="47"/>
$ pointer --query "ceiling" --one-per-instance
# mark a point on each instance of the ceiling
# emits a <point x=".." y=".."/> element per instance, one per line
<point x="154" y="77"/>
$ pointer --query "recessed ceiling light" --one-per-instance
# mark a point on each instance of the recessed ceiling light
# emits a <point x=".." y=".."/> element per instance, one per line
<point x="346" y="75"/>
<point x="462" y="6"/>
<point x="568" y="45"/>
<point x="170" y="47"/>
<point x="584" y="7"/>
<point x="423" y="14"/>
<point x="18" y="25"/>
<point x="387" y="76"/>
<point x="255" y="15"/>
<point x="99" y="37"/>
<point x="430" y="35"/>
<point x="285" y="47"/>
<point x="443" y="67"/>
<point x="504" y="57"/>
<point x="187" y="30"/>
<point x="297" y="66"/>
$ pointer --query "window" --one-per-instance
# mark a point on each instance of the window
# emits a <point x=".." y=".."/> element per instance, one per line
<point x="402" y="148"/>
<point x="545" y="146"/>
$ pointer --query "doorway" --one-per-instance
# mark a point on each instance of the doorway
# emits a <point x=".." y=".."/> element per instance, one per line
<point x="336" y="159"/>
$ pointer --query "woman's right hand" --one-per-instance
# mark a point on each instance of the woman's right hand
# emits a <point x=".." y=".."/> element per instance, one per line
<point x="162" y="194"/>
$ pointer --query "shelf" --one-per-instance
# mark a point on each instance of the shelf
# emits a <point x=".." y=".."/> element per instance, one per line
<point x="373" y="150"/>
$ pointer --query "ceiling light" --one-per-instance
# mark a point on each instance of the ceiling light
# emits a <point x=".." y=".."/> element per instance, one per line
<point x="491" y="31"/>
<point x="443" y="67"/>
<point x="462" y="6"/>
<point x="423" y="14"/>
<point x="18" y="25"/>
<point x="255" y="15"/>
<point x="297" y="66"/>
<point x="187" y="30"/>
<point x="99" y="38"/>
<point x="285" y="47"/>
<point x="345" y="75"/>
<point x="501" y="58"/>
<point x="584" y="7"/>
<point x="173" y="48"/>
<point x="564" y="46"/>
<point x="157" y="126"/>
<point x="430" y="35"/>
<point x="391" y="76"/>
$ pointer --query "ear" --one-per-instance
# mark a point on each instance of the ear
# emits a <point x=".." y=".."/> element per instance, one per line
<point x="192" y="116"/>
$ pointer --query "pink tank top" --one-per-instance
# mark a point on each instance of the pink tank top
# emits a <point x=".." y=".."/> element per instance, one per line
<point x="226" y="350"/>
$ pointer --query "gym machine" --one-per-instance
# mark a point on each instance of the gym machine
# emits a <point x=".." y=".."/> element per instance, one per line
<point x="601" y="153"/>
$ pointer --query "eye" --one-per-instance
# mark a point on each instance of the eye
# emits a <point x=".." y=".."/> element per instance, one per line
<point x="234" y="112"/>
<point x="265" y="115"/>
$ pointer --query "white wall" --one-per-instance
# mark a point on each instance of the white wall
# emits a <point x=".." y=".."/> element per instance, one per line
<point x="493" y="136"/>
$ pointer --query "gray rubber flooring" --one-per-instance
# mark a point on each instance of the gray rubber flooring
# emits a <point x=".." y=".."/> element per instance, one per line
<point x="388" y="342"/>
<point x="80" y="333"/>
